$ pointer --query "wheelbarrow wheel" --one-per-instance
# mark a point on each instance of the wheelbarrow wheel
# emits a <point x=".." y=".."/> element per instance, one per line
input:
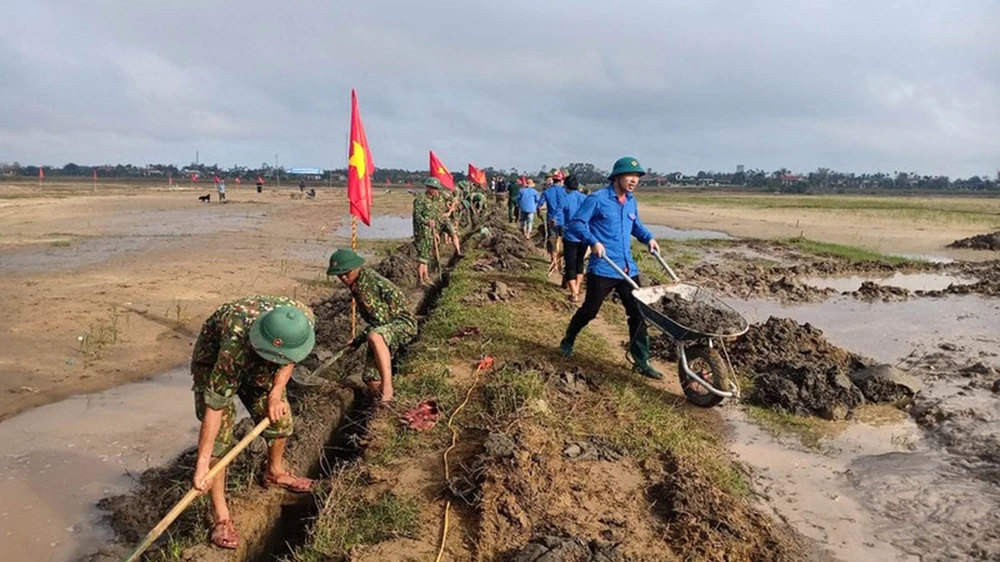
<point x="708" y="364"/>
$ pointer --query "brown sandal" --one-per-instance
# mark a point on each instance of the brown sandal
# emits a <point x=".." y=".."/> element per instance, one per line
<point x="225" y="535"/>
<point x="297" y="484"/>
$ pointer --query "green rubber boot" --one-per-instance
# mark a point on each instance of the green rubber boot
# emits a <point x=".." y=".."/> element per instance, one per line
<point x="566" y="347"/>
<point x="641" y="355"/>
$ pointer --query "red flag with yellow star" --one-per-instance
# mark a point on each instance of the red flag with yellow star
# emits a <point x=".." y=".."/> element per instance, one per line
<point x="476" y="175"/>
<point x="441" y="173"/>
<point x="359" y="167"/>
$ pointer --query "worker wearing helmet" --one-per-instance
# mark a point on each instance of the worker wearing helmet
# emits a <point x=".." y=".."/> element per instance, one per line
<point x="247" y="349"/>
<point x="606" y="221"/>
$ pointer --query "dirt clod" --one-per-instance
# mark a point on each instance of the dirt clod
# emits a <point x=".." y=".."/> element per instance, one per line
<point x="568" y="549"/>
<point x="871" y="291"/>
<point x="699" y="316"/>
<point x="885" y="383"/>
<point x="990" y="241"/>
<point x="796" y="370"/>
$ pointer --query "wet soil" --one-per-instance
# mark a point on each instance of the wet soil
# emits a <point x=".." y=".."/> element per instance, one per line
<point x="990" y="241"/>
<point x="400" y="266"/>
<point x="508" y="249"/>
<point x="793" y="368"/>
<point x="700" y="317"/>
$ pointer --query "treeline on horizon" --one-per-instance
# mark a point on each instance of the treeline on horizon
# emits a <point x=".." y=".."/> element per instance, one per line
<point x="783" y="180"/>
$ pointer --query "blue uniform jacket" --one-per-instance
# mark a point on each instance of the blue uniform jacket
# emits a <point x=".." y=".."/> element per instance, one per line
<point x="571" y="204"/>
<point x="527" y="200"/>
<point x="601" y="218"/>
<point x="553" y="199"/>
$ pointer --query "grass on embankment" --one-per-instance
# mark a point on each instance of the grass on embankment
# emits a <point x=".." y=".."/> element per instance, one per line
<point x="639" y="419"/>
<point x="852" y="254"/>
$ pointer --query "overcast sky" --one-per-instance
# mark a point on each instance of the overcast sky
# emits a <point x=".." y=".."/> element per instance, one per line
<point x="853" y="85"/>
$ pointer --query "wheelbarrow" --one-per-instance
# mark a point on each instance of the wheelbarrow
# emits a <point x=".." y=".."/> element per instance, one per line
<point x="698" y="360"/>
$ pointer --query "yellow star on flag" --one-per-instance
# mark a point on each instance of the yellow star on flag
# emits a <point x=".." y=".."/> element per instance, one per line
<point x="442" y="170"/>
<point x="358" y="160"/>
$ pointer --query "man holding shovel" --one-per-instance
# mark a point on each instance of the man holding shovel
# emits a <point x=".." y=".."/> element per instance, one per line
<point x="391" y="323"/>
<point x="426" y="214"/>
<point x="607" y="220"/>
<point x="247" y="349"/>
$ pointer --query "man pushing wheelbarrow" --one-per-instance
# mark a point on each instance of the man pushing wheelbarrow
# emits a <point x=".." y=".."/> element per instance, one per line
<point x="607" y="220"/>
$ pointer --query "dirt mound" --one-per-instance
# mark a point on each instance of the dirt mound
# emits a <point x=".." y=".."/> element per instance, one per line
<point x="750" y="280"/>
<point x="795" y="369"/>
<point x="400" y="266"/>
<point x="506" y="249"/>
<point x="871" y="291"/>
<point x="713" y="526"/>
<point x="990" y="241"/>
<point x="699" y="316"/>
<point x="568" y="549"/>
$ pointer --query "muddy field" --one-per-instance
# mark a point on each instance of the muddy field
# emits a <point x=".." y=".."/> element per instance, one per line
<point x="123" y="280"/>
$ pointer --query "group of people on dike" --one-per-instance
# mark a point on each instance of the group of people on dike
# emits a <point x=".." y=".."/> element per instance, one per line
<point x="247" y="349"/>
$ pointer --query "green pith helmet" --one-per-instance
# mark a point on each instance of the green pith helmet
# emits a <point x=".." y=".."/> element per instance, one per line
<point x="433" y="183"/>
<point x="344" y="260"/>
<point x="626" y="165"/>
<point x="283" y="335"/>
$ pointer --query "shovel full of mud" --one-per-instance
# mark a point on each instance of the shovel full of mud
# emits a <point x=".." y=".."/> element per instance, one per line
<point x="696" y="320"/>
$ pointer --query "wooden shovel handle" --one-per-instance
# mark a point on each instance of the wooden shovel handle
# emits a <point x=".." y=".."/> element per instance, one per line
<point x="193" y="493"/>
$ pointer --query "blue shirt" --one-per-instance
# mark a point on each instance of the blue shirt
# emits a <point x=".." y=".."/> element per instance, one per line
<point x="601" y="218"/>
<point x="553" y="199"/>
<point x="527" y="200"/>
<point x="571" y="203"/>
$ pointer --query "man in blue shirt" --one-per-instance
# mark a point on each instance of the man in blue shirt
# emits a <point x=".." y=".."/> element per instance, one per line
<point x="574" y="249"/>
<point x="552" y="198"/>
<point x="607" y="220"/>
<point x="527" y="201"/>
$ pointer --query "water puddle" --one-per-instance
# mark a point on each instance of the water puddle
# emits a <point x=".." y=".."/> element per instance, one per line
<point x="664" y="232"/>
<point x="909" y="281"/>
<point x="145" y="229"/>
<point x="888" y="493"/>
<point x="383" y="227"/>
<point x="60" y="459"/>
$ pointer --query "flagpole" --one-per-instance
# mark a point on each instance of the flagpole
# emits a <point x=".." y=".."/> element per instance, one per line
<point x="354" y="302"/>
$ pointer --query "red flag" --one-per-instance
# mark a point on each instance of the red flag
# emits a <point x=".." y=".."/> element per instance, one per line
<point x="237" y="180"/>
<point x="441" y="173"/>
<point x="359" y="167"/>
<point x="216" y="179"/>
<point x="260" y="179"/>
<point x="41" y="174"/>
<point x="95" y="174"/>
<point x="522" y="181"/>
<point x="388" y="181"/>
<point x="194" y="178"/>
<point x="476" y="175"/>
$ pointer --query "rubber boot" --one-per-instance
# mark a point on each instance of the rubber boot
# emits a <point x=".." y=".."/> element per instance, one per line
<point x="566" y="347"/>
<point x="641" y="355"/>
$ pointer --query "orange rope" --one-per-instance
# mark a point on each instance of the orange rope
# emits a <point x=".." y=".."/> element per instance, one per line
<point x="485" y="363"/>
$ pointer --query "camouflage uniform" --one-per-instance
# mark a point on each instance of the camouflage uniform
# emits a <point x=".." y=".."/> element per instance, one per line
<point x="424" y="209"/>
<point x="447" y="224"/>
<point x="225" y="364"/>
<point x="384" y="308"/>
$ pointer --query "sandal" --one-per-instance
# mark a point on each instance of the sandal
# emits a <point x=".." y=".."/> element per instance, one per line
<point x="225" y="535"/>
<point x="296" y="484"/>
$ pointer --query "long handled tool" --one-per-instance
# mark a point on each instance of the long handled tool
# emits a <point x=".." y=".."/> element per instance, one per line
<point x="318" y="376"/>
<point x="193" y="493"/>
<point x="437" y="251"/>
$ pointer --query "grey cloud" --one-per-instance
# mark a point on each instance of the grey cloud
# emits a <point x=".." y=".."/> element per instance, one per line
<point x="683" y="85"/>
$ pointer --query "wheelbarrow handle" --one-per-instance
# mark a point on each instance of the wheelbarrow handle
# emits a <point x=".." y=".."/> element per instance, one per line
<point x="614" y="266"/>
<point x="669" y="271"/>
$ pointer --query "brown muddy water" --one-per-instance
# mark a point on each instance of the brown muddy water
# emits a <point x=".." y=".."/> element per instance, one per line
<point x="60" y="459"/>
<point x="908" y="281"/>
<point x="889" y="492"/>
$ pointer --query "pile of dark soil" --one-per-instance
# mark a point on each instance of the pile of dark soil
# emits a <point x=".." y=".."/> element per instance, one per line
<point x="988" y="280"/>
<point x="506" y="248"/>
<point x="750" y="280"/>
<point x="990" y="241"/>
<point x="400" y="266"/>
<point x="713" y="526"/>
<point x="871" y="291"/>
<point x="794" y="369"/>
<point x="569" y="549"/>
<point x="699" y="316"/>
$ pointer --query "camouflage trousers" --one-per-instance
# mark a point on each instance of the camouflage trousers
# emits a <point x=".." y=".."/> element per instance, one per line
<point x="425" y="246"/>
<point x="396" y="334"/>
<point x="254" y="398"/>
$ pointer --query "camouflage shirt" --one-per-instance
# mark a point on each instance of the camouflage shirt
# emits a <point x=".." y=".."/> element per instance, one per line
<point x="379" y="301"/>
<point x="224" y="360"/>
<point x="425" y="209"/>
